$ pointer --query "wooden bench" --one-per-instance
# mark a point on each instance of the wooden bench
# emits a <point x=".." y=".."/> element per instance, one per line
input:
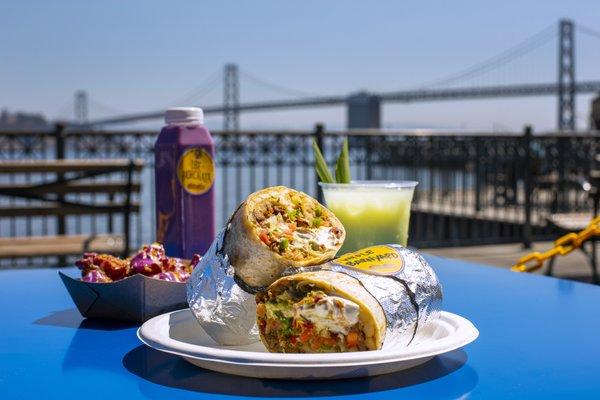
<point x="53" y="194"/>
<point x="576" y="221"/>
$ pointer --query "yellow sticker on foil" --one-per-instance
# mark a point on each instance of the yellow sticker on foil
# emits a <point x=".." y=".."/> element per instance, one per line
<point x="380" y="260"/>
<point x="196" y="170"/>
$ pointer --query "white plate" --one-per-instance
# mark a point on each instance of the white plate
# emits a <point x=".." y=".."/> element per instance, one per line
<point x="179" y="333"/>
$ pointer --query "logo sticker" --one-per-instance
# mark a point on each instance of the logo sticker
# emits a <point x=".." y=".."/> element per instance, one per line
<point x="378" y="260"/>
<point x="196" y="171"/>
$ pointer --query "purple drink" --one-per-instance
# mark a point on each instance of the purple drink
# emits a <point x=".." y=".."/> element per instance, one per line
<point x="185" y="172"/>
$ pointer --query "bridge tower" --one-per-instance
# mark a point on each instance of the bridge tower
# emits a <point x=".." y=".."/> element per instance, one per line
<point x="81" y="107"/>
<point x="566" y="75"/>
<point x="363" y="111"/>
<point x="231" y="98"/>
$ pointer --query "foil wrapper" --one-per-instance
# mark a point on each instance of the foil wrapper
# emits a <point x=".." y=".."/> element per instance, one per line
<point x="411" y="297"/>
<point x="226" y="312"/>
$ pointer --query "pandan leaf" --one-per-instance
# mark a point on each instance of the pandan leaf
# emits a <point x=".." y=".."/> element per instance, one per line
<point x="342" y="168"/>
<point x="321" y="166"/>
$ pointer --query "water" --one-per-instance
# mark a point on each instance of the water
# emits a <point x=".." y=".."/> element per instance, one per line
<point x="238" y="173"/>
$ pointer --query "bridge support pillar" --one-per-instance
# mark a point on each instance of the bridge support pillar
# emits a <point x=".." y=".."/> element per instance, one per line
<point x="566" y="76"/>
<point x="81" y="107"/>
<point x="363" y="111"/>
<point x="231" y="98"/>
<point x="595" y="114"/>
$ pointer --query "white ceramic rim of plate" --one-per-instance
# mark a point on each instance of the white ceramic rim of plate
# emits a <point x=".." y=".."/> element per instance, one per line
<point x="464" y="332"/>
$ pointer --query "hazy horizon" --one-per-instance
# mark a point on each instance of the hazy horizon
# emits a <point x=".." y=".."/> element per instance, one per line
<point x="145" y="56"/>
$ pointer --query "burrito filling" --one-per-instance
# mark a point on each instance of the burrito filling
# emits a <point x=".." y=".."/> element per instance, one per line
<point x="294" y="226"/>
<point x="305" y="319"/>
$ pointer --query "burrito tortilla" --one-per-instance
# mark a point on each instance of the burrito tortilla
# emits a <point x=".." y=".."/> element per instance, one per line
<point x="318" y="312"/>
<point x="276" y="228"/>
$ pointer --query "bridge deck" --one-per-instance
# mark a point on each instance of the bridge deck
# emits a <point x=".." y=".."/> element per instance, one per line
<point x="405" y="96"/>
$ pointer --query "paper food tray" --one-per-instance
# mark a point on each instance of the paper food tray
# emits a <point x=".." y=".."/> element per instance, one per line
<point x="136" y="298"/>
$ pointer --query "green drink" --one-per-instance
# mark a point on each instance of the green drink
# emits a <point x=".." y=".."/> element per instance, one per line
<point x="373" y="212"/>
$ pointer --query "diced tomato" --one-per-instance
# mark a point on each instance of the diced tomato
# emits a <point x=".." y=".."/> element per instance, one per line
<point x="305" y="336"/>
<point x="329" y="341"/>
<point x="273" y="325"/>
<point x="261" y="310"/>
<point x="352" y="339"/>
<point x="264" y="237"/>
<point x="315" y="344"/>
<point x="293" y="339"/>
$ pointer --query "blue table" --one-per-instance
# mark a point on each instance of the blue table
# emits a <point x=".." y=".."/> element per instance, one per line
<point x="539" y="338"/>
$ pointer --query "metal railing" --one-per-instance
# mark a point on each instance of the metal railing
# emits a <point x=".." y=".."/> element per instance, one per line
<point x="474" y="187"/>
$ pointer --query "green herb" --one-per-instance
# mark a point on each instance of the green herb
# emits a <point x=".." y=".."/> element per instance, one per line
<point x="342" y="167"/>
<point x="317" y="222"/>
<point x="286" y="323"/>
<point x="321" y="165"/>
<point x="283" y="244"/>
<point x="286" y="326"/>
<point x="318" y="211"/>
<point x="292" y="215"/>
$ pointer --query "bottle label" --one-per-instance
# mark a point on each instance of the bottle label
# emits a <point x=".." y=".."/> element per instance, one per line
<point x="378" y="260"/>
<point x="196" y="171"/>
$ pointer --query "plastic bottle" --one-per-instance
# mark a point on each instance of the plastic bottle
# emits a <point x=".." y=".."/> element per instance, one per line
<point x="184" y="178"/>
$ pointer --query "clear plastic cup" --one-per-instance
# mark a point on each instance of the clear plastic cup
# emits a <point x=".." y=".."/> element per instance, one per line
<point x="373" y="212"/>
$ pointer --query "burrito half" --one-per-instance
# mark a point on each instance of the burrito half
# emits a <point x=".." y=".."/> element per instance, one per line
<point x="276" y="228"/>
<point x="317" y="312"/>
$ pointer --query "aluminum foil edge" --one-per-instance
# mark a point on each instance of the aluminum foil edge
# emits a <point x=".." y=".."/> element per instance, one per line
<point x="411" y="298"/>
<point x="223" y="309"/>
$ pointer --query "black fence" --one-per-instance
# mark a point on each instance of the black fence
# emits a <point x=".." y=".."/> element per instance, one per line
<point x="473" y="187"/>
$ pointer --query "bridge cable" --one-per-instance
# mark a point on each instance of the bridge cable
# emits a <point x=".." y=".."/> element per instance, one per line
<point x="207" y="86"/>
<point x="501" y="59"/>
<point x="588" y="31"/>
<point x="276" y="87"/>
<point x="64" y="110"/>
<point x="103" y="107"/>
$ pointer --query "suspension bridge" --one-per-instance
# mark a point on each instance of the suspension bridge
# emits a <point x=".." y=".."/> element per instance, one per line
<point x="364" y="108"/>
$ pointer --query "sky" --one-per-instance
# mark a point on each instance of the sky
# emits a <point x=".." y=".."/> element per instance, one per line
<point x="133" y="56"/>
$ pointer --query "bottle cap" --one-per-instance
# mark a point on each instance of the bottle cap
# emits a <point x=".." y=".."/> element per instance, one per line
<point x="184" y="114"/>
